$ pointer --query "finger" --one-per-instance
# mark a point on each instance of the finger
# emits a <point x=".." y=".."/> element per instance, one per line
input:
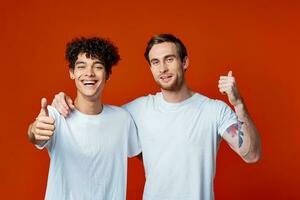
<point x="45" y="119"/>
<point x="61" y="100"/>
<point x="70" y="102"/>
<point x="41" y="138"/>
<point x="224" y="81"/>
<point x="61" y="109"/>
<point x="43" y="126"/>
<point x="230" y="73"/>
<point x="226" y="89"/>
<point x="44" y="110"/>
<point x="43" y="132"/>
<point x="229" y="85"/>
<point x="227" y="78"/>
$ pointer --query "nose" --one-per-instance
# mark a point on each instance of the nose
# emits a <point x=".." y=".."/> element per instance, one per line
<point x="163" y="68"/>
<point x="89" y="71"/>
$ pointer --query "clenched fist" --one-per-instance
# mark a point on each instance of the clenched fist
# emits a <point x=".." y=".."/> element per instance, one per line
<point x="43" y="127"/>
<point x="227" y="85"/>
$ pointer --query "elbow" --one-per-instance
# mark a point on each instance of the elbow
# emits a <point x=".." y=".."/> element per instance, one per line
<point x="253" y="158"/>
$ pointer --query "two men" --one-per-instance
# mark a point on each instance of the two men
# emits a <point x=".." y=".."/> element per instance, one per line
<point x="180" y="130"/>
<point x="88" y="149"/>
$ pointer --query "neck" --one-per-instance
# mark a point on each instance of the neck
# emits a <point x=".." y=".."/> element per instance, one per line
<point x="89" y="106"/>
<point x="175" y="96"/>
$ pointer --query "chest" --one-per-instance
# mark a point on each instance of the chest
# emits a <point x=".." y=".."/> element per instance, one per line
<point x="86" y="139"/>
<point x="190" y="126"/>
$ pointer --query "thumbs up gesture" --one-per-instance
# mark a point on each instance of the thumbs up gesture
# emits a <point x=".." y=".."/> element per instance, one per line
<point x="43" y="127"/>
<point x="227" y="85"/>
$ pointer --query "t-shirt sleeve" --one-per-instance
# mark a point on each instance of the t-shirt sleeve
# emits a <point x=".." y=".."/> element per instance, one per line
<point x="134" y="147"/>
<point x="226" y="117"/>
<point x="134" y="107"/>
<point x="50" y="143"/>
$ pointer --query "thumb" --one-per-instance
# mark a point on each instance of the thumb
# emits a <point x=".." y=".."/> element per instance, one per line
<point x="230" y="73"/>
<point x="44" y="110"/>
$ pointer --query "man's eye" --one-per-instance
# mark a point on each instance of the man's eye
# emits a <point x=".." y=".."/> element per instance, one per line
<point x="80" y="66"/>
<point x="99" y="67"/>
<point x="154" y="63"/>
<point x="170" y="60"/>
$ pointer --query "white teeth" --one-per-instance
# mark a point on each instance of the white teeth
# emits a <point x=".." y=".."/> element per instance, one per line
<point x="89" y="82"/>
<point x="165" y="77"/>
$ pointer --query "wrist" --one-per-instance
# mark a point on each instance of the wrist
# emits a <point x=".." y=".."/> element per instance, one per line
<point x="239" y="105"/>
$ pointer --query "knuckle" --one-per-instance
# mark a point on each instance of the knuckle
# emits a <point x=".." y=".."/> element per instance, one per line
<point x="37" y="137"/>
<point x="51" y="120"/>
<point x="38" y="124"/>
<point x="36" y="132"/>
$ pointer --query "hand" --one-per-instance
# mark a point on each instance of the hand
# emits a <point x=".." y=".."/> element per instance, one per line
<point x="43" y="127"/>
<point x="227" y="85"/>
<point x="63" y="104"/>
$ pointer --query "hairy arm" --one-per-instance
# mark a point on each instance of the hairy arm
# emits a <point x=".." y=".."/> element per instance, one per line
<point x="242" y="137"/>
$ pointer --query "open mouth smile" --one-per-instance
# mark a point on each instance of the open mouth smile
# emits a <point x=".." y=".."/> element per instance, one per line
<point x="89" y="82"/>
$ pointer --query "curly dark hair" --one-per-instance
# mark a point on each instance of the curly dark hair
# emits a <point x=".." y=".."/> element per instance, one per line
<point x="166" y="37"/>
<point x="102" y="49"/>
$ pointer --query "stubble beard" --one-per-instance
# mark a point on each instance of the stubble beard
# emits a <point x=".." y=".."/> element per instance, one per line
<point x="175" y="86"/>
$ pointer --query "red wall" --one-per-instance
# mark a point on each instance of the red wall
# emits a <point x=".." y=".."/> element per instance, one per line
<point x="258" y="40"/>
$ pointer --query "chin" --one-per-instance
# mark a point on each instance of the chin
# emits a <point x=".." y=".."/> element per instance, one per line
<point x="174" y="86"/>
<point x="91" y="94"/>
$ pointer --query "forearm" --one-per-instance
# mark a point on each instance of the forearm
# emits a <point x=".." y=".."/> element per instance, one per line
<point x="249" y="140"/>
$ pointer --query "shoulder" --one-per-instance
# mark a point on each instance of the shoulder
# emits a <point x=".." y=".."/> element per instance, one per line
<point x="139" y="102"/>
<point x="210" y="103"/>
<point x="220" y="105"/>
<point x="117" y="111"/>
<point x="212" y="106"/>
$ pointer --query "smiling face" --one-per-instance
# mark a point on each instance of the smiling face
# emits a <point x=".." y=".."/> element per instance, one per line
<point x="166" y="66"/>
<point x="89" y="75"/>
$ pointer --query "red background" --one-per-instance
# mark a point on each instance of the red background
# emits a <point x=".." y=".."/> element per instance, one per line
<point x="258" y="40"/>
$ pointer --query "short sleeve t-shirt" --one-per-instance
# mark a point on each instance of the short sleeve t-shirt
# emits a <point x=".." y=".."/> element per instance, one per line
<point x="88" y="154"/>
<point x="179" y="142"/>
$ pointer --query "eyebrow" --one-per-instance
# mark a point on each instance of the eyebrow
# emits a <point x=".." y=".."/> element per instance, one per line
<point x="153" y="59"/>
<point x="79" y="62"/>
<point x="165" y="57"/>
<point x="98" y="62"/>
<point x="170" y="55"/>
<point x="82" y="62"/>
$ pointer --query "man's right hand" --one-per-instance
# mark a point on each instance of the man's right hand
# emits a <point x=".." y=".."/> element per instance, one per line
<point x="63" y="104"/>
<point x="43" y="127"/>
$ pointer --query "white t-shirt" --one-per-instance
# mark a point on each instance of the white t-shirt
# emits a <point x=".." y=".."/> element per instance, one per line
<point x="179" y="144"/>
<point x="89" y="155"/>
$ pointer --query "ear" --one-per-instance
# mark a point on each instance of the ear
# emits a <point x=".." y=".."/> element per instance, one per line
<point x="71" y="72"/>
<point x="185" y="63"/>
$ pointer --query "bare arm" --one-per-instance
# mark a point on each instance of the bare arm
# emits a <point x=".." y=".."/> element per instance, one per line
<point x="242" y="137"/>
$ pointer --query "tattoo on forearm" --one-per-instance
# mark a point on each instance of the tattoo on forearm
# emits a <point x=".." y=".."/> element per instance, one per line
<point x="231" y="130"/>
<point x="240" y="133"/>
<point x="236" y="129"/>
